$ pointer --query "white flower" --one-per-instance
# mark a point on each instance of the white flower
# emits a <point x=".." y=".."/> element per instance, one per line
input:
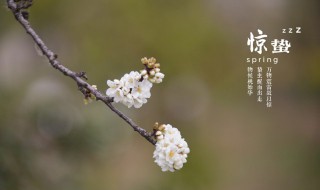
<point x="130" y="90"/>
<point x="142" y="90"/>
<point x="115" y="90"/>
<point x="171" y="149"/>
<point x="131" y="79"/>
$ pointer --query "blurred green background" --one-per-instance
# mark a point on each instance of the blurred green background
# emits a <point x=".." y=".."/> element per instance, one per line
<point x="50" y="140"/>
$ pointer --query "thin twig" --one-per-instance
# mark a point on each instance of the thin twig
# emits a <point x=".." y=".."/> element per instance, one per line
<point x="78" y="78"/>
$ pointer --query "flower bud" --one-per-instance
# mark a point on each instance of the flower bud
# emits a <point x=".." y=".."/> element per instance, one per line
<point x="144" y="60"/>
<point x="161" y="127"/>
<point x="150" y="65"/>
<point x="143" y="72"/>
<point x="152" y="80"/>
<point x="155" y="126"/>
<point x="160" y="75"/>
<point x="152" y="72"/>
<point x="152" y="60"/>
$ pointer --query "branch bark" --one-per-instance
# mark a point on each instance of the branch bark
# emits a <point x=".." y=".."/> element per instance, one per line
<point x="18" y="12"/>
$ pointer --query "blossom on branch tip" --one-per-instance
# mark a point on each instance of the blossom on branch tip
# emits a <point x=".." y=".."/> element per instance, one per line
<point x="171" y="149"/>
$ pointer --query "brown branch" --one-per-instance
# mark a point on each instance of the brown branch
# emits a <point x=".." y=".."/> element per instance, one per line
<point x="19" y="13"/>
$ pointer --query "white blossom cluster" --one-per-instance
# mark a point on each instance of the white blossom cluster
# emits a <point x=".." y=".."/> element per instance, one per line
<point x="129" y="90"/>
<point x="171" y="149"/>
<point x="133" y="89"/>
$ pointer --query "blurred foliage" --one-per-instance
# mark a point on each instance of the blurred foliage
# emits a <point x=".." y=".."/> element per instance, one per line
<point x="50" y="140"/>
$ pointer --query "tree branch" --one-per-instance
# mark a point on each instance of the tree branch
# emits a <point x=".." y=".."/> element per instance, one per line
<point x="19" y="14"/>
